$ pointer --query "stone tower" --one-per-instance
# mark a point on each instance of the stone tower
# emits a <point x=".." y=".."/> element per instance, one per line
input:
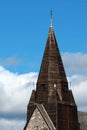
<point x="52" y="104"/>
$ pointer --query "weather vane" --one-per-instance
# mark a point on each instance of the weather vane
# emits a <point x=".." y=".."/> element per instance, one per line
<point x="51" y="17"/>
<point x="51" y="13"/>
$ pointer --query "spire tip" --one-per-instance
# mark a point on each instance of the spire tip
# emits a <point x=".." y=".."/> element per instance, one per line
<point x="51" y="17"/>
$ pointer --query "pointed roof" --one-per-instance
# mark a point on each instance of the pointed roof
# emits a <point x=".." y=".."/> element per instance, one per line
<point x="52" y="68"/>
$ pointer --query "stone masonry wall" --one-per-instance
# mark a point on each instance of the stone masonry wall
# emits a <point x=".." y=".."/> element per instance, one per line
<point x="37" y="122"/>
<point x="82" y="116"/>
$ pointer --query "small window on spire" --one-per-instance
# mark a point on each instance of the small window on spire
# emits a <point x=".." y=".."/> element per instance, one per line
<point x="43" y="87"/>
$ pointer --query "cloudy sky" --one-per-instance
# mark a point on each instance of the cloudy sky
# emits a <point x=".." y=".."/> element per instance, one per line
<point x="24" y="26"/>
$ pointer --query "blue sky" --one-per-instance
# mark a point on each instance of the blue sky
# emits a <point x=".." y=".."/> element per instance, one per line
<point x="24" y="26"/>
<point x="24" y="29"/>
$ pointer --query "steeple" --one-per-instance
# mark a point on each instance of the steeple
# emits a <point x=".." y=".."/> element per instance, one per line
<point x="52" y="62"/>
<point x="52" y="74"/>
<point x="52" y="90"/>
<point x="52" y="69"/>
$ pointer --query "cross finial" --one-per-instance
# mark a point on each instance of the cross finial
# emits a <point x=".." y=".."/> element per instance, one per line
<point x="51" y="13"/>
<point x="51" y="17"/>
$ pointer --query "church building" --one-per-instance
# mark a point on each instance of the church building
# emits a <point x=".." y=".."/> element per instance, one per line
<point x="52" y="105"/>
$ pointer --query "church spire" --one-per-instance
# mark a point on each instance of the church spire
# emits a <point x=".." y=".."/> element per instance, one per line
<point x="52" y="94"/>
<point x="52" y="70"/>
<point x="51" y="17"/>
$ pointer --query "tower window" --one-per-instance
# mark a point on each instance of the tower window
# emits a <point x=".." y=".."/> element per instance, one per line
<point x="43" y="87"/>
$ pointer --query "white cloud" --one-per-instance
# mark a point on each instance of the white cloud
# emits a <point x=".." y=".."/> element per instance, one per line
<point x="15" y="90"/>
<point x="75" y="62"/>
<point x="11" y="124"/>
<point x="79" y="88"/>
